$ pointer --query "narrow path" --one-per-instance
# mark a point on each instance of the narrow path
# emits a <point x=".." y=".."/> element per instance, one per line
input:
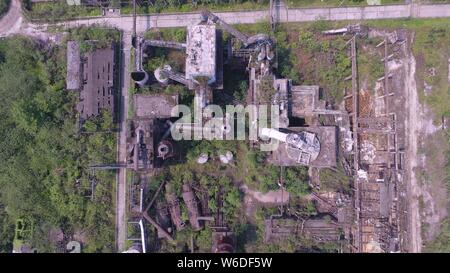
<point x="12" y="20"/>
<point x="121" y="202"/>
<point x="413" y="127"/>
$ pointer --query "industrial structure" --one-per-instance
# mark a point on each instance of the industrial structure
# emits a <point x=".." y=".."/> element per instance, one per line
<point x="224" y="241"/>
<point x="148" y="142"/>
<point x="363" y="220"/>
<point x="192" y="206"/>
<point x="205" y="55"/>
<point x="92" y="74"/>
<point x="378" y="157"/>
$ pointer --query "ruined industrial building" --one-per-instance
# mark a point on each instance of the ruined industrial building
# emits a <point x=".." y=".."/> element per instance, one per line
<point x="225" y="127"/>
<point x="364" y="220"/>
<point x="92" y="74"/>
<point x="359" y="140"/>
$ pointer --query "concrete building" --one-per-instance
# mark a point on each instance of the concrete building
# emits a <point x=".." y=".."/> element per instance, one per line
<point x="148" y="142"/>
<point x="154" y="106"/>
<point x="285" y="155"/>
<point x="97" y="92"/>
<point x="73" y="79"/>
<point x="91" y="73"/>
<point x="201" y="52"/>
<point x="305" y="100"/>
<point x="140" y="145"/>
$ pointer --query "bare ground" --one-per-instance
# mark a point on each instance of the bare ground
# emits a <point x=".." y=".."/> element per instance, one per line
<point x="413" y="125"/>
<point x="426" y="161"/>
<point x="277" y="197"/>
<point x="432" y="176"/>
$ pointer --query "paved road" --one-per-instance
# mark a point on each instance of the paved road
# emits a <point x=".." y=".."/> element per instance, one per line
<point x="14" y="21"/>
<point x="144" y="22"/>
<point x="121" y="201"/>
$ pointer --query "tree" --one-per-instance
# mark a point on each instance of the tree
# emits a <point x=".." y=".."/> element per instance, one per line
<point x="296" y="181"/>
<point x="45" y="163"/>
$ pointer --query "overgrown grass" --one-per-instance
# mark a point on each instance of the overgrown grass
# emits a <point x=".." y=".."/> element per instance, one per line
<point x="442" y="242"/>
<point x="57" y="11"/>
<point x="189" y="7"/>
<point x="60" y="10"/>
<point x="370" y="66"/>
<point x="431" y="47"/>
<point x="91" y="38"/>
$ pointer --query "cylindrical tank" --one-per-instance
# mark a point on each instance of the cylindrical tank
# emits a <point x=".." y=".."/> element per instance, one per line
<point x="160" y="75"/>
<point x="140" y="77"/>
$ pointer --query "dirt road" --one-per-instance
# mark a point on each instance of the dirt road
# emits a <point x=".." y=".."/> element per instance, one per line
<point x="12" y="21"/>
<point x="413" y="125"/>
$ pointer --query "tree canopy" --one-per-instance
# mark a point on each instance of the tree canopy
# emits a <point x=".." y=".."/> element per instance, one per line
<point x="44" y="162"/>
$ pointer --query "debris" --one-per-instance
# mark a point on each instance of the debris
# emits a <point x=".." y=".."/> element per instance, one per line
<point x="202" y="159"/>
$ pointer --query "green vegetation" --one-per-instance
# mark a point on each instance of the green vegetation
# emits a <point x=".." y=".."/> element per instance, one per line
<point x="255" y="172"/>
<point x="177" y="34"/>
<point x="222" y="186"/>
<point x="431" y="47"/>
<point x="4" y="6"/>
<point x="213" y="178"/>
<point x="307" y="57"/>
<point x="251" y="237"/>
<point x="334" y="180"/>
<point x="196" y="5"/>
<point x="266" y="90"/>
<point x="296" y="181"/>
<point x="442" y="242"/>
<point x="57" y="11"/>
<point x="370" y="66"/>
<point x="163" y="56"/>
<point x="45" y="172"/>
<point x="325" y="61"/>
<point x="91" y="38"/>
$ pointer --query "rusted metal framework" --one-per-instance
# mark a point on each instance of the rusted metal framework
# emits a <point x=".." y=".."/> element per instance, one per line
<point x="375" y="183"/>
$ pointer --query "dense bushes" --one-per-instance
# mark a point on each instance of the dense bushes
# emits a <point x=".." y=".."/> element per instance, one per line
<point x="91" y="38"/>
<point x="296" y="181"/>
<point x="57" y="10"/>
<point x="45" y="163"/>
